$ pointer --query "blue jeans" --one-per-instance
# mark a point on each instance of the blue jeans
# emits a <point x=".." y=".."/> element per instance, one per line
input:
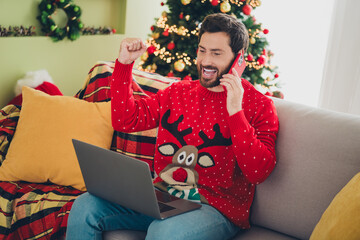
<point x="90" y="216"/>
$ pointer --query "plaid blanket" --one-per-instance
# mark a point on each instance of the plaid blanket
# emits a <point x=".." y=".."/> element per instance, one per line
<point x="40" y="211"/>
<point x="9" y="116"/>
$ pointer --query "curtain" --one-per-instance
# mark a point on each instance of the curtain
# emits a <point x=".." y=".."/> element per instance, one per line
<point x="340" y="87"/>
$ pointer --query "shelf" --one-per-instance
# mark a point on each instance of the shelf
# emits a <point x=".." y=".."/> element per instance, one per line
<point x="95" y="13"/>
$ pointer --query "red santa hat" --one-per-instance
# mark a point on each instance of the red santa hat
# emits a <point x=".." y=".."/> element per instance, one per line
<point x="39" y="80"/>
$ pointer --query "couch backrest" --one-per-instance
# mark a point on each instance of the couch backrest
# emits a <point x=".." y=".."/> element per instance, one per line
<point x="318" y="152"/>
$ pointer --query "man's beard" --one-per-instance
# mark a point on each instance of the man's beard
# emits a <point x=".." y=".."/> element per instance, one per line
<point x="210" y="83"/>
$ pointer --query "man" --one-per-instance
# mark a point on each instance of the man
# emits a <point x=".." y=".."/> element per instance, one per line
<point x="216" y="139"/>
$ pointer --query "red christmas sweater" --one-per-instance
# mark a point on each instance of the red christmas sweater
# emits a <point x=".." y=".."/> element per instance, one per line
<point x="202" y="153"/>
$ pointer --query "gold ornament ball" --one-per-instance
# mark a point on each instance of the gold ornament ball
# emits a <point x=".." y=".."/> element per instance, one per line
<point x="185" y="2"/>
<point x="181" y="30"/>
<point x="252" y="40"/>
<point x="164" y="14"/>
<point x="154" y="67"/>
<point x="179" y="65"/>
<point x="145" y="56"/>
<point x="225" y="7"/>
<point x="156" y="35"/>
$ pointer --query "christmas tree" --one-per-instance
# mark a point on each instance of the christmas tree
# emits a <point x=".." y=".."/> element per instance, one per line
<point x="173" y="42"/>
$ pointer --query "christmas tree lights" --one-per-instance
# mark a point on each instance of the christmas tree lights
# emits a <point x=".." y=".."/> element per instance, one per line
<point x="174" y="39"/>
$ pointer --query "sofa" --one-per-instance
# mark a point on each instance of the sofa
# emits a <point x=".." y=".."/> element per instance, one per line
<point x="318" y="153"/>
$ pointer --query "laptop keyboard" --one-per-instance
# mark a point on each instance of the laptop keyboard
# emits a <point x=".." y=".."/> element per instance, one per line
<point x="165" y="197"/>
<point x="164" y="208"/>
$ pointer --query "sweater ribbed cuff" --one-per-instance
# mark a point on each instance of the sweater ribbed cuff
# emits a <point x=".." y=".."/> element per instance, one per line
<point x="122" y="71"/>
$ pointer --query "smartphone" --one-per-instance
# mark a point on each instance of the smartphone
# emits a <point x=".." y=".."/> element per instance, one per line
<point x="239" y="63"/>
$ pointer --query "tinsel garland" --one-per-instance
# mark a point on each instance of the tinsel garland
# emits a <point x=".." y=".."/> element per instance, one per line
<point x="17" y="31"/>
<point x="21" y="31"/>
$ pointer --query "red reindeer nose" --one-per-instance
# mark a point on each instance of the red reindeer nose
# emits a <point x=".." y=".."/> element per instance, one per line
<point x="180" y="175"/>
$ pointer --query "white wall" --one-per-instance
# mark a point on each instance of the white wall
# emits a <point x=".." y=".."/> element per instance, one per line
<point x="140" y="15"/>
<point x="298" y="36"/>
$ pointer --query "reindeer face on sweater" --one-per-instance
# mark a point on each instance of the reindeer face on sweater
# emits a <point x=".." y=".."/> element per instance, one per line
<point x="181" y="173"/>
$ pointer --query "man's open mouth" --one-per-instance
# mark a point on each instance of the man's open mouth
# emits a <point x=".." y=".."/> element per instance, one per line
<point x="209" y="72"/>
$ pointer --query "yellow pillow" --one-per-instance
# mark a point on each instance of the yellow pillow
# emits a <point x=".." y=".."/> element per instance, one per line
<point x="341" y="220"/>
<point x="42" y="150"/>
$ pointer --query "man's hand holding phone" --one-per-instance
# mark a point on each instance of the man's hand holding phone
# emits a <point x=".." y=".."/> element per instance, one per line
<point x="130" y="50"/>
<point x="235" y="91"/>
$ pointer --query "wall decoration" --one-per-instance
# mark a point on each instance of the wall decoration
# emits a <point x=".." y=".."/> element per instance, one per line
<point x="17" y="31"/>
<point x="97" y="31"/>
<point x="50" y="28"/>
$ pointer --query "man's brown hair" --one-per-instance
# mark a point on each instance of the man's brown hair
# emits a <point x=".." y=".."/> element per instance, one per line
<point x="220" y="22"/>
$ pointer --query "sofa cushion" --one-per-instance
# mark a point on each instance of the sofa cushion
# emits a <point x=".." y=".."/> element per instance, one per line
<point x="341" y="220"/>
<point x="317" y="154"/>
<point x="259" y="233"/>
<point x="41" y="149"/>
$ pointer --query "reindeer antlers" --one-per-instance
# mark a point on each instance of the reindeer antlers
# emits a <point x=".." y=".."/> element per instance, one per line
<point x="218" y="140"/>
<point x="173" y="127"/>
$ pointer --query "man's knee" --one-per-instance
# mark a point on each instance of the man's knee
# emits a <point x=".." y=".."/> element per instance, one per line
<point x="84" y="206"/>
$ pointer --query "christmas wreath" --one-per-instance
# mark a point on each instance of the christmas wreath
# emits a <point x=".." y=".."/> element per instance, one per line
<point x="49" y="27"/>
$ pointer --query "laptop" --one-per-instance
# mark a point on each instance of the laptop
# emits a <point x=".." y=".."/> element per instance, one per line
<point x="127" y="182"/>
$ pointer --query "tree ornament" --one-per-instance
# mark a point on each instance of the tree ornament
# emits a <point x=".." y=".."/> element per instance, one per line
<point x="170" y="74"/>
<point x="225" y="7"/>
<point x="166" y="33"/>
<point x="113" y="30"/>
<point x="270" y="94"/>
<point x="155" y="35"/>
<point x="187" y="17"/>
<point x="187" y="77"/>
<point x="264" y="52"/>
<point x="262" y="59"/>
<point x="171" y="46"/>
<point x="162" y="3"/>
<point x="181" y="30"/>
<point x="249" y="57"/>
<point x="151" y="49"/>
<point x="278" y="94"/>
<point x="214" y="2"/>
<point x="73" y="27"/>
<point x="153" y="67"/>
<point x="276" y="75"/>
<point x="164" y="14"/>
<point x="266" y="31"/>
<point x="152" y="28"/>
<point x="252" y="40"/>
<point x="179" y="65"/>
<point x="181" y="15"/>
<point x="185" y="2"/>
<point x="247" y="9"/>
<point x="145" y="56"/>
